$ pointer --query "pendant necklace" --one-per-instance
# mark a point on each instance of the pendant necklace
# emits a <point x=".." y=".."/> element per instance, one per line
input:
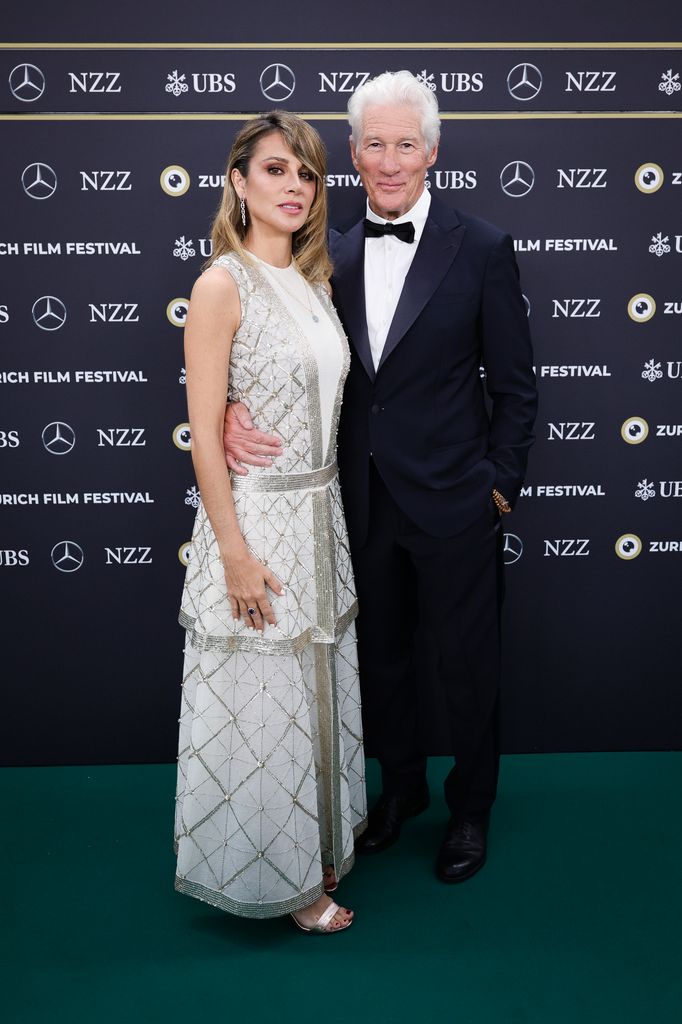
<point x="307" y="304"/>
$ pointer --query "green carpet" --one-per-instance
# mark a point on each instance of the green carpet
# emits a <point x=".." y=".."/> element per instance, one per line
<point x="575" y="918"/>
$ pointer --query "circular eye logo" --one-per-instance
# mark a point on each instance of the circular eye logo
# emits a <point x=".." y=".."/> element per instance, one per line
<point x="513" y="548"/>
<point x="517" y="179"/>
<point x="183" y="552"/>
<point x="26" y="83"/>
<point x="641" y="307"/>
<point x="49" y="313"/>
<point x="39" y="181"/>
<point x="58" y="438"/>
<point x="176" y="311"/>
<point x="634" y="430"/>
<point x="649" y="178"/>
<point x="628" y="546"/>
<point x="174" y="180"/>
<point x="67" y="556"/>
<point x="524" y="82"/>
<point x="182" y="437"/>
<point x="277" y="82"/>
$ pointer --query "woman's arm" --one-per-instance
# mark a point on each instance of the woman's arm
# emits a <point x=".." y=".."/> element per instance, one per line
<point x="212" y="320"/>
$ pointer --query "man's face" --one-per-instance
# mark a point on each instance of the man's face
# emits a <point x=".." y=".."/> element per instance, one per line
<point x="392" y="159"/>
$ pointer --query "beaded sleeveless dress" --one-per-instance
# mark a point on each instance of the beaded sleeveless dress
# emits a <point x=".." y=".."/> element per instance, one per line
<point x="270" y="783"/>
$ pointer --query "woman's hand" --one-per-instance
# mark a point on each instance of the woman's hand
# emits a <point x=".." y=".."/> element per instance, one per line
<point x="246" y="580"/>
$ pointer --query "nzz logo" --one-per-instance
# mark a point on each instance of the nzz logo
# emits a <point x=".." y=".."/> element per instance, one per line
<point x="576" y="308"/>
<point x="567" y="547"/>
<point x="128" y="556"/>
<point x="105" y="181"/>
<point x="571" y="431"/>
<point x="95" y="81"/>
<point x="114" y="312"/>
<point x="121" y="437"/>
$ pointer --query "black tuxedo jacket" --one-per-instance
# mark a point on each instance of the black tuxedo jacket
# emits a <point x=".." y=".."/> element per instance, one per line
<point x="423" y="415"/>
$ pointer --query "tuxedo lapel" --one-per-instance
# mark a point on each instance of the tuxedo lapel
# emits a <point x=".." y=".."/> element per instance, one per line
<point x="348" y="281"/>
<point x="438" y="246"/>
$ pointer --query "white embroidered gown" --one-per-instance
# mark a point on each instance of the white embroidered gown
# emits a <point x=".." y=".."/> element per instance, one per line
<point x="270" y="783"/>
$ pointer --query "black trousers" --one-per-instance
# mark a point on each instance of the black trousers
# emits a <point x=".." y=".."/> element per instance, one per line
<point x="406" y="578"/>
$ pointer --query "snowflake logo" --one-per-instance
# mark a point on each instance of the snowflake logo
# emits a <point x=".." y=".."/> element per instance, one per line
<point x="182" y="379"/>
<point x="669" y="83"/>
<point x="193" y="497"/>
<point x="645" y="490"/>
<point x="652" y="371"/>
<point x="183" y="248"/>
<point x="176" y="83"/>
<point x="426" y="79"/>
<point x="659" y="244"/>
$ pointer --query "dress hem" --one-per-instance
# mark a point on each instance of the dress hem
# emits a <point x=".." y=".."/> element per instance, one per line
<point x="263" y="911"/>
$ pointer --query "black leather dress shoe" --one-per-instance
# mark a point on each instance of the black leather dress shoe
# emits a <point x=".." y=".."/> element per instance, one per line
<point x="386" y="818"/>
<point x="463" y="850"/>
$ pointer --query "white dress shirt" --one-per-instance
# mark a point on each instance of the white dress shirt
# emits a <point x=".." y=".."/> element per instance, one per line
<point x="387" y="261"/>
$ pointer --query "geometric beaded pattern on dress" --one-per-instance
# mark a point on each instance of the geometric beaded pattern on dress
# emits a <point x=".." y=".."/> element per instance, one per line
<point x="273" y="371"/>
<point x="271" y="777"/>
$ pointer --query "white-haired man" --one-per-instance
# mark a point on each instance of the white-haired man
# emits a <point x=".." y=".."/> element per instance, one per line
<point x="426" y="295"/>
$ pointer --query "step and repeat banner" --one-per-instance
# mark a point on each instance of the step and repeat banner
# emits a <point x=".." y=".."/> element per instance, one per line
<point x="111" y="169"/>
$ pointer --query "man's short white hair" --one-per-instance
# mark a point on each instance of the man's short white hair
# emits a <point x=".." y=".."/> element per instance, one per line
<point x="396" y="88"/>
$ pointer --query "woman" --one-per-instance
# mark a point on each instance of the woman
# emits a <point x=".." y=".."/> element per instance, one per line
<point x="271" y="767"/>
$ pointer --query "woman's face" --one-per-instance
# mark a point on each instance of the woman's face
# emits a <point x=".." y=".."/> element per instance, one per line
<point x="278" y="190"/>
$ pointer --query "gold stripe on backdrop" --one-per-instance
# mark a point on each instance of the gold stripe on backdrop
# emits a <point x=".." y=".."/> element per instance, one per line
<point x="343" y="46"/>
<point x="472" y="116"/>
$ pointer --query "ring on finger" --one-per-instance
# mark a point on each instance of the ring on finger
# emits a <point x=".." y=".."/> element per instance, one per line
<point x="251" y="611"/>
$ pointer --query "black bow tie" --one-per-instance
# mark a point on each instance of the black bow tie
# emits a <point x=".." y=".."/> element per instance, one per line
<point x="405" y="232"/>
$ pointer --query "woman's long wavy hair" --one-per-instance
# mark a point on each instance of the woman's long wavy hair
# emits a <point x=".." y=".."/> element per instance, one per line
<point x="309" y="243"/>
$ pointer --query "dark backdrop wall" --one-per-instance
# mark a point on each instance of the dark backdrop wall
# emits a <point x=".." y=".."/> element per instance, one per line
<point x="114" y="142"/>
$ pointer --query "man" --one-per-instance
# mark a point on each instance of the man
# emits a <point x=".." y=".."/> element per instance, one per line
<point x="426" y="296"/>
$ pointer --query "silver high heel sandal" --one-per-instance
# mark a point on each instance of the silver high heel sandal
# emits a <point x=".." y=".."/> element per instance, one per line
<point x="321" y="925"/>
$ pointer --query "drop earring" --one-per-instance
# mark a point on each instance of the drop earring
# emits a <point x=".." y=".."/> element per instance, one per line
<point x="242" y="208"/>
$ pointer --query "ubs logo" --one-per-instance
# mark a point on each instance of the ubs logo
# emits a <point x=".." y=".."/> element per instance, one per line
<point x="175" y="180"/>
<point x="649" y="178"/>
<point x="635" y="429"/>
<point x="49" y="313"/>
<point x="628" y="546"/>
<point x="67" y="556"/>
<point x="517" y="179"/>
<point x="39" y="181"/>
<point x="641" y="307"/>
<point x="58" y="438"/>
<point x="176" y="83"/>
<point x="26" y="83"/>
<point x="182" y="437"/>
<point x="652" y="371"/>
<point x="277" y="82"/>
<point x="659" y="244"/>
<point x="176" y="311"/>
<point x="524" y="82"/>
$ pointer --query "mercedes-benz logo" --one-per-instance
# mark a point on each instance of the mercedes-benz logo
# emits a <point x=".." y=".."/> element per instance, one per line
<point x="513" y="548"/>
<point x="517" y="179"/>
<point x="49" y="313"/>
<point x="67" y="556"/>
<point x="39" y="181"/>
<point x="277" y="82"/>
<point x="526" y="302"/>
<point x="58" y="438"/>
<point x="26" y="83"/>
<point x="524" y="82"/>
